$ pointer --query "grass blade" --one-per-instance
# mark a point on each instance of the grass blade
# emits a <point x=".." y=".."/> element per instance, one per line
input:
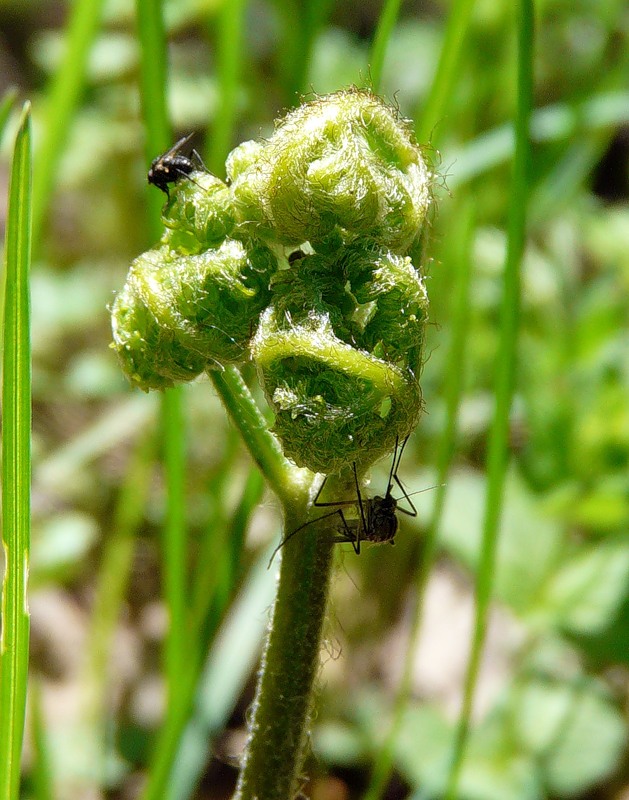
<point x="174" y="765"/>
<point x="174" y="544"/>
<point x="153" y="92"/>
<point x="110" y="590"/>
<point x="504" y="378"/>
<point x="6" y="104"/>
<point x="447" y="70"/>
<point x="604" y="111"/>
<point x="453" y="391"/>
<point x="16" y="464"/>
<point x="229" y="666"/>
<point x="301" y="22"/>
<point x="5" y="110"/>
<point x="230" y="59"/>
<point x="386" y="23"/>
<point x="41" y="773"/>
<point x="63" y="97"/>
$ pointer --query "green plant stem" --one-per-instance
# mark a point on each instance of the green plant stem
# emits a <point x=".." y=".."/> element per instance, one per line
<point x="283" y="703"/>
<point x="453" y="390"/>
<point x="16" y="463"/>
<point x="504" y="379"/>
<point x="281" y="711"/>
<point x="282" y="477"/>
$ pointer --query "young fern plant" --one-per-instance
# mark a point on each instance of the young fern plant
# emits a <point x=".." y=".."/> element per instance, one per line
<point x="302" y="262"/>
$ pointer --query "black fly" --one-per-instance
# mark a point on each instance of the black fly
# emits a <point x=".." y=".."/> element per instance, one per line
<point x="172" y="165"/>
<point x="377" y="521"/>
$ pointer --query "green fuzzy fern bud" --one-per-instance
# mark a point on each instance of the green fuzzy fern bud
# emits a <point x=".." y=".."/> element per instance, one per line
<point x="199" y="214"/>
<point x="335" y="403"/>
<point x="302" y="262"/>
<point x="393" y="302"/>
<point x="338" y="167"/>
<point x="149" y="353"/>
<point x="180" y="315"/>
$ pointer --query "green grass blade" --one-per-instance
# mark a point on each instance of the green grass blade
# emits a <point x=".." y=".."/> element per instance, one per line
<point x="230" y="59"/>
<point x="604" y="111"/>
<point x="153" y="86"/>
<point x="214" y="544"/>
<point x="174" y="538"/>
<point x="153" y="93"/>
<point x="447" y="71"/>
<point x="301" y="21"/>
<point x="172" y="765"/>
<point x="228" y="668"/>
<point x="16" y="464"/>
<point x="5" y="110"/>
<point x="153" y="90"/>
<point x="6" y="104"/>
<point x="61" y="102"/>
<point x="115" y="567"/>
<point x="453" y="391"/>
<point x="386" y="23"/>
<point x="41" y="773"/>
<point x="497" y="458"/>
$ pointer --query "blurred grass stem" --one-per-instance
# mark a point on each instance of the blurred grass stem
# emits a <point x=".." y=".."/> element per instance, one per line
<point x="16" y="462"/>
<point x="504" y="379"/>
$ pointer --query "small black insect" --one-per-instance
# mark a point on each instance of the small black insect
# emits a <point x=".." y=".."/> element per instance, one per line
<point x="377" y="521"/>
<point x="172" y="165"/>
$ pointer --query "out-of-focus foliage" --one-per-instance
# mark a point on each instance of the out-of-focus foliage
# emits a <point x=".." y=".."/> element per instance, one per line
<point x="551" y="711"/>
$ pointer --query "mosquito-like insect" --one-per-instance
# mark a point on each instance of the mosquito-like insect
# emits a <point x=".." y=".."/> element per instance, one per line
<point x="172" y="165"/>
<point x="377" y="521"/>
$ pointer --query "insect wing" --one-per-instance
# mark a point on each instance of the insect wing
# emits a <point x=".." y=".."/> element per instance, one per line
<point x="170" y="166"/>
<point x="174" y="150"/>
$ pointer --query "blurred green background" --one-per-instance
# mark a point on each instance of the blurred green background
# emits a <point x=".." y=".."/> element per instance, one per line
<point x="551" y="703"/>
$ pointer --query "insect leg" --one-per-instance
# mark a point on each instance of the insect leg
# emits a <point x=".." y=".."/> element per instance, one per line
<point x="348" y="537"/>
<point x="362" y="514"/>
<point x="183" y="174"/>
<point x="316" y="502"/>
<point x="394" y="464"/>
<point x="195" y="153"/>
<point x="393" y="478"/>
<point x="305" y="525"/>
<point x="412" y="513"/>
